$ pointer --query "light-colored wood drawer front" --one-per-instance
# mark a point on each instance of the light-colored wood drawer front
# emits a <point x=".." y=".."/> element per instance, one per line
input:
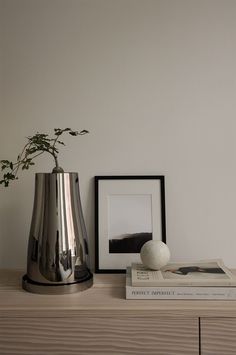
<point x="111" y="336"/>
<point x="218" y="336"/>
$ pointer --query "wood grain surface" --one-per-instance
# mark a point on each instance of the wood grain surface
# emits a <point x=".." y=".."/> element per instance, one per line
<point x="218" y="336"/>
<point x="101" y="321"/>
<point x="105" y="298"/>
<point x="85" y="336"/>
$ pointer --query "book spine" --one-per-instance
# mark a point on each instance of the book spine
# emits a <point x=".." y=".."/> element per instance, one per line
<point x="187" y="283"/>
<point x="171" y="293"/>
<point x="211" y="283"/>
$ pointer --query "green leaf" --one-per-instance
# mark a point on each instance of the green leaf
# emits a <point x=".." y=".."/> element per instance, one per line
<point x="31" y="150"/>
<point x="74" y="133"/>
<point x="9" y="176"/>
<point x="84" y="131"/>
<point x="58" y="131"/>
<point x="7" y="162"/>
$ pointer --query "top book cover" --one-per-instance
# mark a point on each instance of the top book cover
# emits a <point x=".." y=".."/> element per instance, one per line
<point x="200" y="273"/>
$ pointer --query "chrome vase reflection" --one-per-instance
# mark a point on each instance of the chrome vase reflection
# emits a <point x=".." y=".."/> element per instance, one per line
<point x="58" y="249"/>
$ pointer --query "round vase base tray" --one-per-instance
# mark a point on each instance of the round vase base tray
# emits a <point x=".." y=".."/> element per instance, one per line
<point x="56" y="289"/>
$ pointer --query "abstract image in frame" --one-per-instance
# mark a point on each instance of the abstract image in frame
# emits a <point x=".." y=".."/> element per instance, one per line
<point x="129" y="211"/>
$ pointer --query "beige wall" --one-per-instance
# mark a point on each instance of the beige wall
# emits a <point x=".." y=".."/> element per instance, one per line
<point x="154" y="82"/>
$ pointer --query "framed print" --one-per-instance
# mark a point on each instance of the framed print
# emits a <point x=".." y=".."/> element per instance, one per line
<point x="129" y="211"/>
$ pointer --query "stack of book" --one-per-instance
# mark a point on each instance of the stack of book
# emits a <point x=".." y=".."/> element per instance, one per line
<point x="209" y="279"/>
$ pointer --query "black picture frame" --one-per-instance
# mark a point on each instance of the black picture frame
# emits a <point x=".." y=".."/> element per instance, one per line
<point x="105" y="261"/>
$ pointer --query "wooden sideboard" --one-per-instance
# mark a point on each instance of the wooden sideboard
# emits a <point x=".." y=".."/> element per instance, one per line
<point x="101" y="321"/>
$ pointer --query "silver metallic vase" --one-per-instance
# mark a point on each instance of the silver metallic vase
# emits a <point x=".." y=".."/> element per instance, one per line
<point x="57" y="250"/>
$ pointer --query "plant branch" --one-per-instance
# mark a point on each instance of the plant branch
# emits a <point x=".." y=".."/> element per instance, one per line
<point x="39" y="143"/>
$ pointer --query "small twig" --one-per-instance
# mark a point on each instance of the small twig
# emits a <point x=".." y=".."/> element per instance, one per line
<point x="40" y="143"/>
